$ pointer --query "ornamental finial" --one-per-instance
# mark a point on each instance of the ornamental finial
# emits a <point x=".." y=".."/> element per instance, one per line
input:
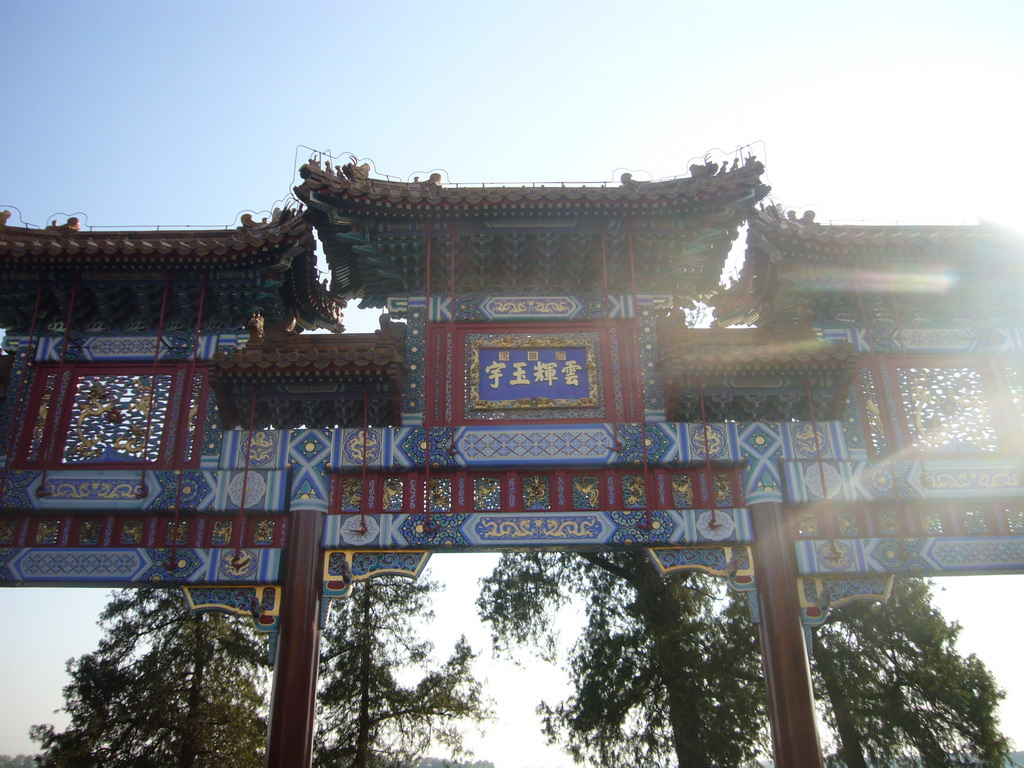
<point x="255" y="326"/>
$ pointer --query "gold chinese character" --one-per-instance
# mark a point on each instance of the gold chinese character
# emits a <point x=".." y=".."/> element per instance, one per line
<point x="560" y="355"/>
<point x="571" y="371"/>
<point x="532" y="356"/>
<point x="503" y="355"/>
<point x="494" y="372"/>
<point x="519" y="374"/>
<point x="545" y="372"/>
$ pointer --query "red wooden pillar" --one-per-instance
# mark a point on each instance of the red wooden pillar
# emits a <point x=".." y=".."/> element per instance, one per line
<point x="293" y="700"/>
<point x="787" y="673"/>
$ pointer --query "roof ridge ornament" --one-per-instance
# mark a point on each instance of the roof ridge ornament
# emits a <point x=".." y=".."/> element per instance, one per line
<point x="73" y="224"/>
<point x="627" y="181"/>
<point x="806" y="219"/>
<point x="709" y="168"/>
<point x="354" y="173"/>
<point x="248" y="222"/>
<point x="434" y="180"/>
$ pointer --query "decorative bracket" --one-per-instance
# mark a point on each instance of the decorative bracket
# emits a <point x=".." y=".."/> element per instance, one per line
<point x="818" y="596"/>
<point x="344" y="567"/>
<point x="262" y="604"/>
<point x="733" y="563"/>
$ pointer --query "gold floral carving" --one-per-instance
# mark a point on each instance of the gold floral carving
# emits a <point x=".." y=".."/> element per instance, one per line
<point x="363" y="438"/>
<point x="108" y="490"/>
<point x="222" y="532"/>
<point x="531" y="527"/>
<point x="723" y="488"/>
<point x="88" y="532"/>
<point x="634" y="491"/>
<point x="6" y="531"/>
<point x="535" y="492"/>
<point x="587" y="488"/>
<point x="47" y="532"/>
<point x="110" y="415"/>
<point x="392" y="494"/>
<point x="483" y="489"/>
<point x="970" y="478"/>
<point x="683" y="490"/>
<point x="530" y="306"/>
<point x="238" y="566"/>
<point x="131" y="532"/>
<point x="352" y="493"/>
<point x="441" y="494"/>
<point x="262" y="448"/>
<point x="177" y="533"/>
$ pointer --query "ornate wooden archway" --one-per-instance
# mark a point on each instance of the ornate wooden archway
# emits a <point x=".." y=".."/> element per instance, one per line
<point x="533" y="385"/>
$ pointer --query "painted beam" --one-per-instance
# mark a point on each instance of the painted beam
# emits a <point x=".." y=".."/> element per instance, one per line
<point x="127" y="567"/>
<point x="495" y="531"/>
<point x="931" y="556"/>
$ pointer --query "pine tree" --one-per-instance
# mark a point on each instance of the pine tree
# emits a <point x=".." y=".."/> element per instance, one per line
<point x="164" y="689"/>
<point x="372" y="713"/>
<point x="897" y="691"/>
<point x="660" y="672"/>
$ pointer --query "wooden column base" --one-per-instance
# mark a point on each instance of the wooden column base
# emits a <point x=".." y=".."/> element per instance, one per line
<point x="293" y="700"/>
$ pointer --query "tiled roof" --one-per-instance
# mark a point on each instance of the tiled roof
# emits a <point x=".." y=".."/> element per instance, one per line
<point x="690" y="351"/>
<point x="751" y="374"/>
<point x="269" y="357"/>
<point x="806" y="237"/>
<point x="256" y="245"/>
<point x="705" y="188"/>
<point x="790" y="259"/>
<point x="270" y="266"/>
<point x="289" y="380"/>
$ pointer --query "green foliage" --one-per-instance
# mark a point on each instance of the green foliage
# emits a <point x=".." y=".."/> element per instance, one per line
<point x="522" y="597"/>
<point x="897" y="690"/>
<point x="164" y="688"/>
<point x="435" y="762"/>
<point x="660" y="673"/>
<point x="382" y="700"/>
<point x="18" y="761"/>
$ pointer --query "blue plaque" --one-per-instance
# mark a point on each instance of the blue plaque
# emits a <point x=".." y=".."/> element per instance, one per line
<point x="532" y="371"/>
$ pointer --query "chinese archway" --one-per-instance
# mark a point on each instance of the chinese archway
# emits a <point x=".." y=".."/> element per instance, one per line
<point x="533" y="384"/>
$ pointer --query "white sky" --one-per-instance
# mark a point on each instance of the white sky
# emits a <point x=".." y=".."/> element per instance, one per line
<point x="191" y="112"/>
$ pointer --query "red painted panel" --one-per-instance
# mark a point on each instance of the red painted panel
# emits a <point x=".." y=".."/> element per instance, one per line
<point x="600" y="489"/>
<point x="47" y="428"/>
